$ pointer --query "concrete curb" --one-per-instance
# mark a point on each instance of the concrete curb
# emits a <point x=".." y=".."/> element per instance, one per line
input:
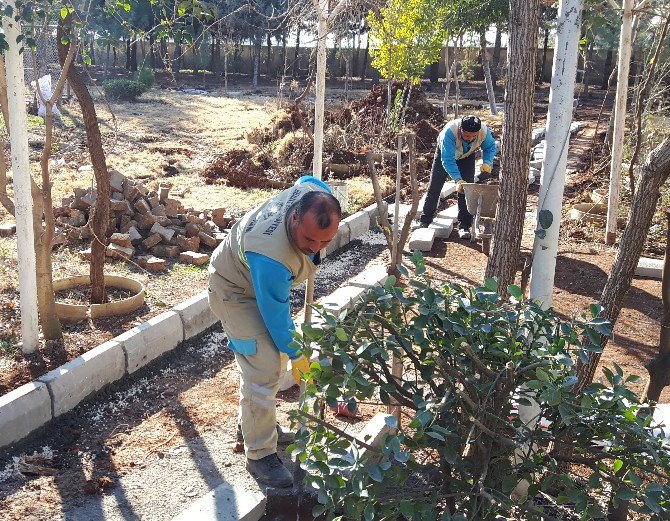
<point x="36" y="403"/>
<point x="226" y="503"/>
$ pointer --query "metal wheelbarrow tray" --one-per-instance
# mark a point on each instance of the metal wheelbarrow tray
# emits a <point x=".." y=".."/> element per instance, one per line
<point x="481" y="201"/>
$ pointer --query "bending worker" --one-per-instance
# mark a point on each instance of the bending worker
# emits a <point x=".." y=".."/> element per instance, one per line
<point x="455" y="156"/>
<point x="272" y="248"/>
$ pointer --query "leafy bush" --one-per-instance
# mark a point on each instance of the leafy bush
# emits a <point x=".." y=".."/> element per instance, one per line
<point x="123" y="89"/>
<point x="465" y="451"/>
<point x="145" y="76"/>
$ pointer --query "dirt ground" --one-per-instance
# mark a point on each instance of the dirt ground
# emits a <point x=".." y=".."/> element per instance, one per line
<point x="149" y="446"/>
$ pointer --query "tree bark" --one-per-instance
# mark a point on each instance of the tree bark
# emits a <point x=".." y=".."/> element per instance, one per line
<point x="128" y="59"/>
<point x="296" y="55"/>
<point x="545" y="47"/>
<point x="100" y="218"/>
<point x="496" y="56"/>
<point x="487" y="73"/>
<point x="517" y="128"/>
<point x="655" y="172"/>
<point x="366" y="53"/>
<point x="268" y="67"/>
<point x="607" y="70"/>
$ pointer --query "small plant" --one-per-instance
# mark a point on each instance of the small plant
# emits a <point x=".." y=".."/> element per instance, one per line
<point x="123" y="89"/>
<point x="488" y="405"/>
<point x="145" y="76"/>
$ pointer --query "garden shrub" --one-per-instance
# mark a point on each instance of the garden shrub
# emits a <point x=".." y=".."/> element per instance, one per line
<point x="145" y="76"/>
<point x="462" y="448"/>
<point x="123" y="89"/>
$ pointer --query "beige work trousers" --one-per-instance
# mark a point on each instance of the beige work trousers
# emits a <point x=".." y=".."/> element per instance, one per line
<point x="259" y="372"/>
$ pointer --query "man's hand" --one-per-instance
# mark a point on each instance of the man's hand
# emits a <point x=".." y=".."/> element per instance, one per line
<point x="299" y="367"/>
<point x="459" y="186"/>
<point x="486" y="168"/>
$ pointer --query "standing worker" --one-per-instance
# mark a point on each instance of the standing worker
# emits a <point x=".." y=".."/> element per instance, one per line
<point x="273" y="247"/>
<point x="455" y="156"/>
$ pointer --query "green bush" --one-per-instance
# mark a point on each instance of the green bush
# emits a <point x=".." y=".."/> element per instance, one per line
<point x="462" y="449"/>
<point x="145" y="76"/>
<point x="123" y="89"/>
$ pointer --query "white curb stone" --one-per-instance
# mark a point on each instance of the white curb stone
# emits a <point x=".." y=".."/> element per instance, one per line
<point x="70" y="383"/>
<point x="148" y="341"/>
<point x="448" y="213"/>
<point x="422" y="239"/>
<point x="342" y="298"/>
<point x="341" y="239"/>
<point x="652" y="268"/>
<point x="374" y="431"/>
<point x="448" y="189"/>
<point x="195" y="314"/>
<point x="443" y="227"/>
<point x="226" y="503"/>
<point x="23" y="410"/>
<point x="359" y="223"/>
<point x="373" y="212"/>
<point x="371" y="276"/>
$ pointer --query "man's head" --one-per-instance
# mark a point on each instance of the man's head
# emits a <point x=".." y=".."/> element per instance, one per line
<point x="470" y="127"/>
<point x="314" y="221"/>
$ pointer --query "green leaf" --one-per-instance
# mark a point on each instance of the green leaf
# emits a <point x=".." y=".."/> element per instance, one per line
<point x="617" y="465"/>
<point x="341" y="334"/>
<point x="515" y="291"/>
<point x="375" y="472"/>
<point x="63" y="12"/>
<point x="545" y="218"/>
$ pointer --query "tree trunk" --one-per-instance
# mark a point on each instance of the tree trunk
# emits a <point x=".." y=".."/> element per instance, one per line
<point x="496" y="56"/>
<point x="91" y="49"/>
<point x="100" y="218"/>
<point x="115" y="59"/>
<point x="356" y="53"/>
<point x="133" y="56"/>
<point x="152" y="53"/>
<point x="434" y="73"/>
<point x="283" y="55"/>
<point x="256" y="63"/>
<point x="586" y="79"/>
<point x="268" y="67"/>
<point x="659" y="367"/>
<point x="487" y="73"/>
<point x="176" y="55"/>
<point x="364" y="66"/>
<point x="655" y="172"/>
<point x="545" y="47"/>
<point x="607" y="69"/>
<point x="164" y="53"/>
<point x="517" y="128"/>
<point x="128" y="59"/>
<point x="447" y="82"/>
<point x="105" y="72"/>
<point x="296" y="55"/>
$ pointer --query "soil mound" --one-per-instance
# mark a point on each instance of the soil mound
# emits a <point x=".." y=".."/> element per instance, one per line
<point x="237" y="168"/>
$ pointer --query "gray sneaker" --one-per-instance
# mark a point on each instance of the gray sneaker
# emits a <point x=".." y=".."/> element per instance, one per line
<point x="270" y="471"/>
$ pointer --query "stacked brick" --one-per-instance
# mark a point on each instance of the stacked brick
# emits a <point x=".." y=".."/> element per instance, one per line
<point x="145" y="226"/>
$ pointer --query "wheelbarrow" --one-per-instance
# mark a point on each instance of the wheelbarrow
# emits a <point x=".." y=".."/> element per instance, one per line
<point x="481" y="201"/>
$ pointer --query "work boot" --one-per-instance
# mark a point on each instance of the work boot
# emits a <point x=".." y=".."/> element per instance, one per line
<point x="284" y="435"/>
<point x="270" y="471"/>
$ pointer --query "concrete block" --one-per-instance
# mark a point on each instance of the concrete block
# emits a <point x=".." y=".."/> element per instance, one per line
<point x="652" y="268"/>
<point x="149" y="340"/>
<point x="226" y="503"/>
<point x="443" y="227"/>
<point x="69" y="384"/>
<point x="359" y="223"/>
<point x="342" y="298"/>
<point x="23" y="410"/>
<point x="374" y="432"/>
<point x="371" y="276"/>
<point x="449" y="213"/>
<point x="341" y="239"/>
<point x="195" y="314"/>
<point x="448" y="189"/>
<point x="422" y="239"/>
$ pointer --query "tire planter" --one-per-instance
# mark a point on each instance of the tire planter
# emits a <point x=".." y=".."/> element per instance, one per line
<point x="600" y="196"/>
<point x="71" y="313"/>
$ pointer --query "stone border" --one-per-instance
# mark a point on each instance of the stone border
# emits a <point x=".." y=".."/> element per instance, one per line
<point x="36" y="403"/>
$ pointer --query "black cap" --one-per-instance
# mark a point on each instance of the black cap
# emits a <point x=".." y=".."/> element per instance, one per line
<point x="471" y="124"/>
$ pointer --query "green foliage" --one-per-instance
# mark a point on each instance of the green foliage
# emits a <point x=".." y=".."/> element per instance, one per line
<point x="123" y="89"/>
<point x="408" y="35"/>
<point x="145" y="76"/>
<point x="468" y="358"/>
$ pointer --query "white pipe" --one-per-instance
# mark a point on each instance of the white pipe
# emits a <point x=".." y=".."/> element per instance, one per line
<point x="625" y="46"/>
<point x="556" y="152"/>
<point x="18" y="122"/>
<point x="319" y="102"/>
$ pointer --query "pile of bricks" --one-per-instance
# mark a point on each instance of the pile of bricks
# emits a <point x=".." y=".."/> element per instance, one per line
<point x="144" y="225"/>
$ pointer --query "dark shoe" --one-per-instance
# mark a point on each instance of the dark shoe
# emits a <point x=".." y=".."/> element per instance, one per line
<point x="464" y="234"/>
<point x="284" y="435"/>
<point x="419" y="224"/>
<point x="270" y="471"/>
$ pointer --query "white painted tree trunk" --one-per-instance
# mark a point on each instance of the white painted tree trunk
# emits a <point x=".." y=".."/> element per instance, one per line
<point x="625" y="46"/>
<point x="319" y="103"/>
<point x="18" y="122"/>
<point x="556" y="152"/>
